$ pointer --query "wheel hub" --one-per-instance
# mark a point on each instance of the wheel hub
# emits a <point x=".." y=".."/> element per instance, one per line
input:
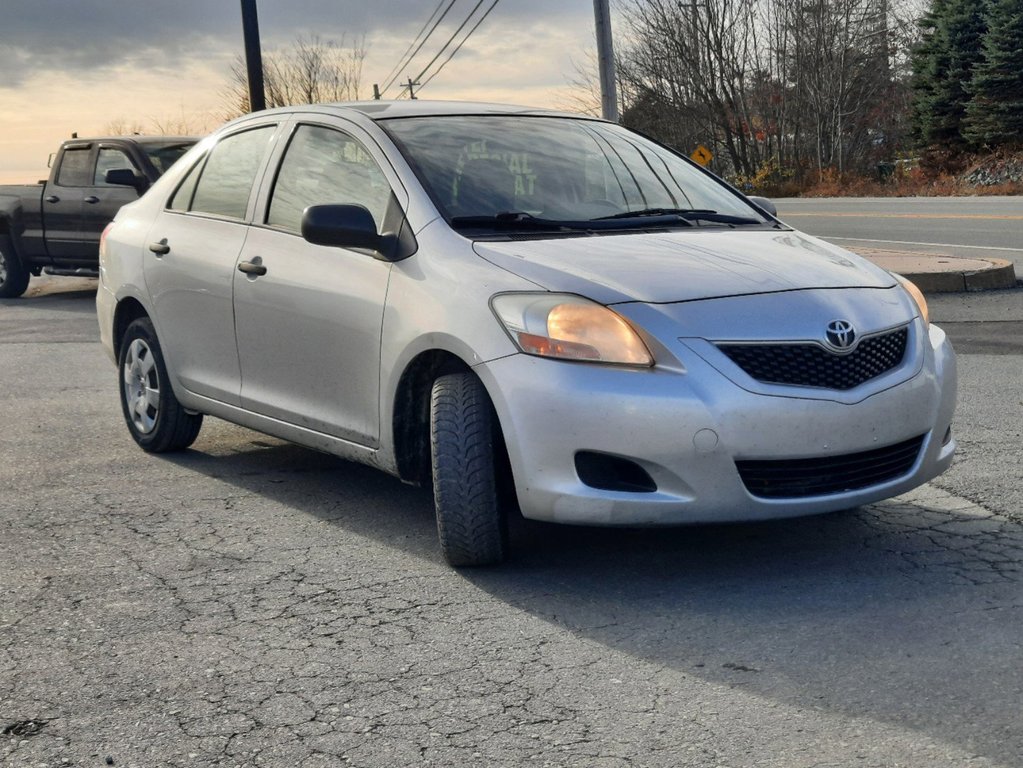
<point x="141" y="386"/>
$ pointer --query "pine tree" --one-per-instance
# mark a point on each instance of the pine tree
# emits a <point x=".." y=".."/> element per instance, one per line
<point x="930" y="62"/>
<point x="944" y="66"/>
<point x="994" y="114"/>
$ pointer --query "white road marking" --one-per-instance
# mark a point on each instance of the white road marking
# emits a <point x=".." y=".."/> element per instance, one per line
<point x="909" y="242"/>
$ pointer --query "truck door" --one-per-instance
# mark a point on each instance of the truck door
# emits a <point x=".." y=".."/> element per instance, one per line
<point x="62" y="205"/>
<point x="102" y="201"/>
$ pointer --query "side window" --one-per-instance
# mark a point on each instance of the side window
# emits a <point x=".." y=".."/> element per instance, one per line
<point x="182" y="199"/>
<point x="322" y="166"/>
<point x="75" y="168"/>
<point x="110" y="160"/>
<point x="226" y="179"/>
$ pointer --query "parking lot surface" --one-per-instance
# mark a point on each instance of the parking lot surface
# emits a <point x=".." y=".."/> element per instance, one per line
<point x="251" y="603"/>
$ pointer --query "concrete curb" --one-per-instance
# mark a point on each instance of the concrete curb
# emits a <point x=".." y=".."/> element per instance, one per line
<point x="934" y="273"/>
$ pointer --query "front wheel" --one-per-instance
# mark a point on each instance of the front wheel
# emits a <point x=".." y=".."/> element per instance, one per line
<point x="13" y="275"/>
<point x="470" y="521"/>
<point x="154" y="416"/>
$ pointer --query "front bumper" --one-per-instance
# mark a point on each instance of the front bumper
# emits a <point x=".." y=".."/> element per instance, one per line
<point x="687" y="428"/>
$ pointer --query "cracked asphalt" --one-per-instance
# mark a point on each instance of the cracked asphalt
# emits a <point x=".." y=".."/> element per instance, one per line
<point x="252" y="603"/>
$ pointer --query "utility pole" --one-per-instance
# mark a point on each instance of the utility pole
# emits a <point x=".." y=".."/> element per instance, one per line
<point x="606" y="61"/>
<point x="253" y="57"/>
<point x="410" y="86"/>
<point x="376" y="91"/>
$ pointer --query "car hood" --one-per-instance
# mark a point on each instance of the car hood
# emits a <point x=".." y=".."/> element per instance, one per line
<point x="661" y="267"/>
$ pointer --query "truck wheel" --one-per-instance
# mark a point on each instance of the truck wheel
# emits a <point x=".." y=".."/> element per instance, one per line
<point x="470" y="521"/>
<point x="154" y="416"/>
<point x="13" y="276"/>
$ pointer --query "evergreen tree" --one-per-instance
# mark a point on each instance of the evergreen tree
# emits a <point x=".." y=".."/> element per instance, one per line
<point x="952" y="48"/>
<point x="930" y="63"/>
<point x="994" y="114"/>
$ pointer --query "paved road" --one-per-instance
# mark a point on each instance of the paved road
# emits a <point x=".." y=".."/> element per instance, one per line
<point x="250" y="603"/>
<point x="957" y="226"/>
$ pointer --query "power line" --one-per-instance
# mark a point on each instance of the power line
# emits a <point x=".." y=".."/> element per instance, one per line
<point x="419" y="47"/>
<point x="422" y="29"/>
<point x="459" y="46"/>
<point x="453" y="36"/>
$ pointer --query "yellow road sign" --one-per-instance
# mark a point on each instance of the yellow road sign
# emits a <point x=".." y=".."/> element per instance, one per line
<point x="702" y="155"/>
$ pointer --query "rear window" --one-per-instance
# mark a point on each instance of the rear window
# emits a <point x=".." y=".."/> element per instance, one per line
<point x="226" y="180"/>
<point x="75" y="168"/>
<point x="163" y="156"/>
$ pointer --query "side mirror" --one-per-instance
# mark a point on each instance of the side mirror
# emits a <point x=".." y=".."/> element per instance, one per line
<point x="766" y="204"/>
<point x="341" y="226"/>
<point x="126" y="177"/>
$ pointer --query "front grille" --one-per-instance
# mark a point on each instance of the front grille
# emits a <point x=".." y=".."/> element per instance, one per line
<point x="810" y="365"/>
<point x="799" y="478"/>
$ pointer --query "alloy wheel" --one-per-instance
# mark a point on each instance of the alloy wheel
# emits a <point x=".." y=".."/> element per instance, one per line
<point x="141" y="386"/>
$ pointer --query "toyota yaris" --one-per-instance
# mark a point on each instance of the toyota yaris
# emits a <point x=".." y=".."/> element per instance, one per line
<point x="527" y="310"/>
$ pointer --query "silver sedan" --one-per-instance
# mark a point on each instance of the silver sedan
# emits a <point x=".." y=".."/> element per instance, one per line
<point x="530" y="311"/>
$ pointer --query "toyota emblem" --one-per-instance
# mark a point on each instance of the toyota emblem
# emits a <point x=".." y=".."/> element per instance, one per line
<point x="841" y="335"/>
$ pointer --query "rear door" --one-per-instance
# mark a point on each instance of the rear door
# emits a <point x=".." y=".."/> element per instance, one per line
<point x="62" y="205"/>
<point x="193" y="251"/>
<point x="308" y="329"/>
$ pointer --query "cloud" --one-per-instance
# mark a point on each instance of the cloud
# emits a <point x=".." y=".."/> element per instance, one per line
<point x="80" y="65"/>
<point x="91" y="36"/>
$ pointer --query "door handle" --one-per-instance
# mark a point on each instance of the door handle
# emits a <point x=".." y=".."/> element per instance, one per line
<point x="52" y="199"/>
<point x="160" y="248"/>
<point x="254" y="268"/>
<point x="92" y="200"/>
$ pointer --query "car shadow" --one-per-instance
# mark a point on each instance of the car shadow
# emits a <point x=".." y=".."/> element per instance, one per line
<point x="904" y="612"/>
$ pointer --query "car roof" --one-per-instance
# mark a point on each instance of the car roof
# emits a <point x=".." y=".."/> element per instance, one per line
<point x="386" y="110"/>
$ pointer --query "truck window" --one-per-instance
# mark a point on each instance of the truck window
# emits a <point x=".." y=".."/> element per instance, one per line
<point x="110" y="159"/>
<point x="75" y="168"/>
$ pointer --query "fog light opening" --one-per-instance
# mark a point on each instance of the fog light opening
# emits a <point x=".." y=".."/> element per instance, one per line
<point x="612" y="473"/>
<point x="948" y="436"/>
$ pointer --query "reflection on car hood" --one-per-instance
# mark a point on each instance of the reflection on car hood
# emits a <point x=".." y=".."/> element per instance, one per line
<point x="683" y="266"/>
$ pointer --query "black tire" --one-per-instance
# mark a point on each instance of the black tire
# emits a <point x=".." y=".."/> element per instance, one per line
<point x="470" y="521"/>
<point x="13" y="275"/>
<point x="154" y="416"/>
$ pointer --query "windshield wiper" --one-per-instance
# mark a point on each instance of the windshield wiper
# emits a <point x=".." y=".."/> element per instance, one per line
<point x="519" y="220"/>
<point x="686" y="214"/>
<point x="651" y="218"/>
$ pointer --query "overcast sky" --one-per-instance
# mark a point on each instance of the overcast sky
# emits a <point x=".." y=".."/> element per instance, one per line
<point x="82" y="65"/>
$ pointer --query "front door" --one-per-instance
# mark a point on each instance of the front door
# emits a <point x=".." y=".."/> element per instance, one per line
<point x="309" y="328"/>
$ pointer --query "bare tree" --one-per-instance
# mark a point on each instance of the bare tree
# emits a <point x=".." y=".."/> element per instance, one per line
<point x="311" y="71"/>
<point x="694" y="60"/>
<point x="787" y="84"/>
<point x="182" y="124"/>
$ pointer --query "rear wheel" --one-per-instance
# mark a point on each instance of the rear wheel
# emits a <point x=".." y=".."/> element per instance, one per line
<point x="13" y="276"/>
<point x="470" y="520"/>
<point x="154" y="416"/>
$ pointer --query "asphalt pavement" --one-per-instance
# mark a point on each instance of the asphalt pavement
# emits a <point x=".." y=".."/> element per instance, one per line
<point x="252" y="603"/>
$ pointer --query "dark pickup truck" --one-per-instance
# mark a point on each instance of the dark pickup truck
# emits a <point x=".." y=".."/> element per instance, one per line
<point x="55" y="225"/>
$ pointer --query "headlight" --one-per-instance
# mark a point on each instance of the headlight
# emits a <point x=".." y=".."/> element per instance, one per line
<point x="918" y="297"/>
<point x="569" y="327"/>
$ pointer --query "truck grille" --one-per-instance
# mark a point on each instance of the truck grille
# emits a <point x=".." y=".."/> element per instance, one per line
<point x="799" y="478"/>
<point x="811" y="365"/>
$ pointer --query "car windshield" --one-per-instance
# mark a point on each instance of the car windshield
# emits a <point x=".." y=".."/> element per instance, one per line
<point x="538" y="172"/>
<point x="163" y="156"/>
